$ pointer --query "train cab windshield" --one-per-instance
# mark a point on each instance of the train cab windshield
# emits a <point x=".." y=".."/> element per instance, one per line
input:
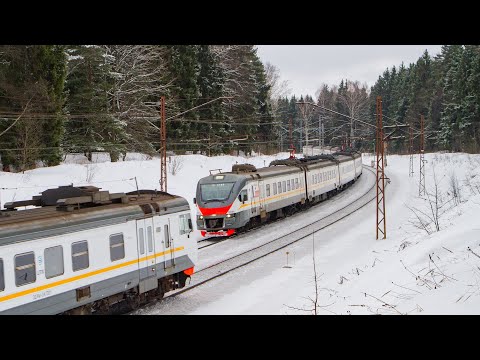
<point x="216" y="192"/>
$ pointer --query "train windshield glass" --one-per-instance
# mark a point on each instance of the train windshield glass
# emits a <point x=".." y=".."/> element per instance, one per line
<point x="216" y="192"/>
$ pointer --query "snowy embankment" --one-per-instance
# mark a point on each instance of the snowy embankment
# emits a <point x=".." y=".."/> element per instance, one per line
<point x="420" y="268"/>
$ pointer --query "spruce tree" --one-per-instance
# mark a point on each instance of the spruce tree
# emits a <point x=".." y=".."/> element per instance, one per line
<point x="31" y="83"/>
<point x="91" y="126"/>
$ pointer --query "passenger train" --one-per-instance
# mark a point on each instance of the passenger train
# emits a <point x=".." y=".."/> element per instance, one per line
<point x="84" y="251"/>
<point x="231" y="202"/>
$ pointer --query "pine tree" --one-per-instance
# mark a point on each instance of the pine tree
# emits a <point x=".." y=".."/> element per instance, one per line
<point x="210" y="83"/>
<point x="183" y="71"/>
<point x="31" y="82"/>
<point x="264" y="110"/>
<point x="91" y="126"/>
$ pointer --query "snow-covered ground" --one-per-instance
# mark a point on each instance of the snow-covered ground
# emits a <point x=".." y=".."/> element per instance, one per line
<point x="416" y="270"/>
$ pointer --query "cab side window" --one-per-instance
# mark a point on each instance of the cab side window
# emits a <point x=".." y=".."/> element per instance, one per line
<point x="243" y="195"/>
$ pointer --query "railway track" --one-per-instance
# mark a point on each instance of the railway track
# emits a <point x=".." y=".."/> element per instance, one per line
<point x="244" y="258"/>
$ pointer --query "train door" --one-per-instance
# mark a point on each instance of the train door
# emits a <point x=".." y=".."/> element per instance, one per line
<point x="261" y="185"/>
<point x="254" y="198"/>
<point x="146" y="255"/>
<point x="164" y="241"/>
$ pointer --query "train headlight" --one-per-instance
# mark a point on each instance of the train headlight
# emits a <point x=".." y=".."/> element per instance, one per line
<point x="200" y="217"/>
<point x="229" y="216"/>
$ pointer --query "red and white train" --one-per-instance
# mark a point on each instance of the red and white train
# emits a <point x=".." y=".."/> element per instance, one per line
<point x="235" y="201"/>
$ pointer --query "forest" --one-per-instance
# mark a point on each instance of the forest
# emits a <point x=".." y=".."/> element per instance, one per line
<point x="220" y="99"/>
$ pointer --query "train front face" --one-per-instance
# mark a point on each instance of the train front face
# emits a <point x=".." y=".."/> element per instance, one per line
<point x="218" y="203"/>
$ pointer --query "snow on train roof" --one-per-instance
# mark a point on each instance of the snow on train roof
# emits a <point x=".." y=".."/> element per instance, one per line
<point x="278" y="167"/>
<point x="51" y="220"/>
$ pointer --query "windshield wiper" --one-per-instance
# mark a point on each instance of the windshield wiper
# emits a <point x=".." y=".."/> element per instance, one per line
<point x="212" y="200"/>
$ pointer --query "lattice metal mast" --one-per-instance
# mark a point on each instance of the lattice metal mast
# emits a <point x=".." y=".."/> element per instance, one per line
<point x="410" y="151"/>
<point x="163" y="146"/>
<point x="421" y="187"/>
<point x="381" y="221"/>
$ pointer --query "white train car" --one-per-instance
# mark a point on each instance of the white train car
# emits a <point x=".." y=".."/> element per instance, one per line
<point x="322" y="178"/>
<point x="87" y="251"/>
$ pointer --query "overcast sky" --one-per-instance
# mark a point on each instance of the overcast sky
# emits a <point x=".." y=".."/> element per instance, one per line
<point x="306" y="67"/>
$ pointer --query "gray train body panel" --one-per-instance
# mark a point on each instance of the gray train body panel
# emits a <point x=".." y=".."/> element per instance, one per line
<point x="20" y="227"/>
<point x="68" y="300"/>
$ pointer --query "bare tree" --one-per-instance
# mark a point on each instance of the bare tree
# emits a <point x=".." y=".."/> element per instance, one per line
<point x="455" y="188"/>
<point x="315" y="301"/>
<point x="355" y="99"/>
<point x="91" y="170"/>
<point x="278" y="88"/>
<point x="429" y="219"/>
<point x="175" y="164"/>
<point x="140" y="78"/>
<point x="29" y="141"/>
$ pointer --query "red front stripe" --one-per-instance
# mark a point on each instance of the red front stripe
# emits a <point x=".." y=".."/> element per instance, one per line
<point x="216" y="211"/>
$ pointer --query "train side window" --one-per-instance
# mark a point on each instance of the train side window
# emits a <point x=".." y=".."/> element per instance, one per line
<point x="141" y="241"/>
<point x="284" y="186"/>
<point x="184" y="226"/>
<point x="288" y="185"/>
<point x="167" y="236"/>
<point x="267" y="188"/>
<point x="296" y="183"/>
<point x="117" y="247"/>
<point x="25" y="270"/>
<point x="53" y="261"/>
<point x="2" y="279"/>
<point x="80" y="259"/>
<point x="274" y="188"/>
<point x="293" y="184"/>
<point x="279" y="187"/>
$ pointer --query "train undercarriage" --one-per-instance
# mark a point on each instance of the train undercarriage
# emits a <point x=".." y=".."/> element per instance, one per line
<point x="131" y="299"/>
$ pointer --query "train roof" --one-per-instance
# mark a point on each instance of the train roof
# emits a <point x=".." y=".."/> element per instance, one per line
<point x="249" y="172"/>
<point x="68" y="209"/>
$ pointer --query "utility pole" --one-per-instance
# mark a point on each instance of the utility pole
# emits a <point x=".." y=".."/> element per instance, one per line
<point x="320" y="130"/>
<point x="163" y="146"/>
<point x="292" y="148"/>
<point x="421" y="188"/>
<point x="410" y="151"/>
<point x="381" y="220"/>
<point x="322" y="137"/>
<point x="163" y="136"/>
<point x="301" y="135"/>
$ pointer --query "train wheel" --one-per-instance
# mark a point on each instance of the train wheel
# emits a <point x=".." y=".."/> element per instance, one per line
<point x="133" y="301"/>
